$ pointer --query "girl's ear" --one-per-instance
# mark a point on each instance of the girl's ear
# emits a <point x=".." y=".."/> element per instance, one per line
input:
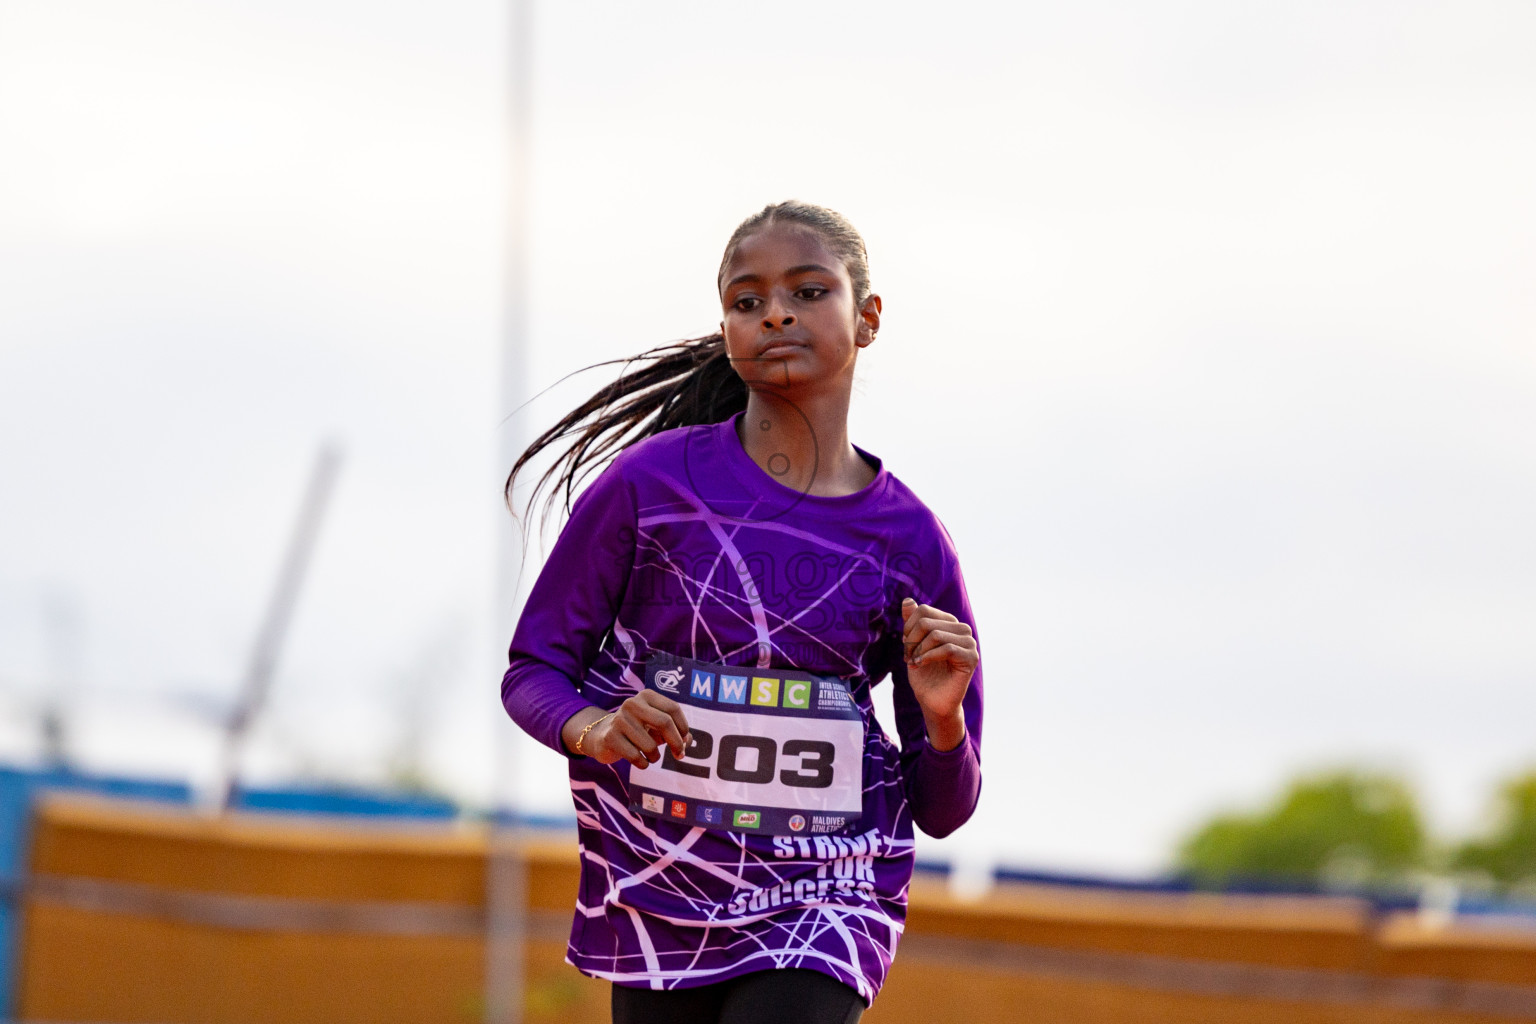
<point x="869" y="320"/>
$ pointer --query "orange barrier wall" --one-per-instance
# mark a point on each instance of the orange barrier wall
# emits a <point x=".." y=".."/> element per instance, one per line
<point x="140" y="913"/>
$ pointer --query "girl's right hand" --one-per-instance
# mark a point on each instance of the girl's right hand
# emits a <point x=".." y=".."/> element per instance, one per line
<point x="635" y="730"/>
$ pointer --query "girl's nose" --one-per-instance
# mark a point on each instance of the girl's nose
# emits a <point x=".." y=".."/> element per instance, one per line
<point x="783" y="319"/>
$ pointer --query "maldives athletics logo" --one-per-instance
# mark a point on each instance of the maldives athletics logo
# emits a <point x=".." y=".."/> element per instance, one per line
<point x="797" y="822"/>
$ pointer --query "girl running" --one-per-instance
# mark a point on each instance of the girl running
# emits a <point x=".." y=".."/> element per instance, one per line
<point x="703" y="639"/>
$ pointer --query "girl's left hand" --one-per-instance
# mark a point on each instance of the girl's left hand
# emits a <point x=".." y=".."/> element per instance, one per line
<point x="941" y="657"/>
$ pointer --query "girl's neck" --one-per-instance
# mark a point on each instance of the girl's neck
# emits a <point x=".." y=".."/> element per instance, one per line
<point x="804" y="444"/>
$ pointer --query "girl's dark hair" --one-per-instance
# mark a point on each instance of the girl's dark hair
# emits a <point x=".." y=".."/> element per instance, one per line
<point x="682" y="384"/>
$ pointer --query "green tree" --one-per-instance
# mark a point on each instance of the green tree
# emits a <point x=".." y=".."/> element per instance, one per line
<point x="1508" y="852"/>
<point x="1351" y="826"/>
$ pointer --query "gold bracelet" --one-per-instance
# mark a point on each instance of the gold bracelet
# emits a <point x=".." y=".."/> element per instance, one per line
<point x="588" y="728"/>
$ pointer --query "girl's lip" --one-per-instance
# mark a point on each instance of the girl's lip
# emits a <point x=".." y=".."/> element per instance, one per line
<point x="780" y="345"/>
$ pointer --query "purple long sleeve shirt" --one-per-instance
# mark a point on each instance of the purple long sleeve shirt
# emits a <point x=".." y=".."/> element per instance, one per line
<point x="683" y="544"/>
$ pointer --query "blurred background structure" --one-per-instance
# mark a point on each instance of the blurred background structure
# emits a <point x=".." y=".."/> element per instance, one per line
<point x="140" y="910"/>
<point x="1208" y="335"/>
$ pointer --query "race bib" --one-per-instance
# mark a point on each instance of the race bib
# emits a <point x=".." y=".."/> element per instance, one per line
<point x="776" y="752"/>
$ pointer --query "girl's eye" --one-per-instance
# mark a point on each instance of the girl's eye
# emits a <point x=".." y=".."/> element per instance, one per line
<point x="811" y="292"/>
<point x="746" y="304"/>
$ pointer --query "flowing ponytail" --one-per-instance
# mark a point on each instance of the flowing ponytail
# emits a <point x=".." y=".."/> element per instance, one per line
<point x="685" y="383"/>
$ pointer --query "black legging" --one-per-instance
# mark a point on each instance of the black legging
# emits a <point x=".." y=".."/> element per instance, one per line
<point x="791" y="995"/>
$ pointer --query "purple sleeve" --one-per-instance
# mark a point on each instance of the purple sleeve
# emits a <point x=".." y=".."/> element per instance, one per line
<point x="942" y="787"/>
<point x="570" y="609"/>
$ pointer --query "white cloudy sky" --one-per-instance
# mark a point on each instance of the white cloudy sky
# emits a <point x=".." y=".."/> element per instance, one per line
<point x="1209" y="335"/>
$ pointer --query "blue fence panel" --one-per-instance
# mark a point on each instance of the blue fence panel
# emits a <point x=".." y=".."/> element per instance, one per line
<point x="354" y="802"/>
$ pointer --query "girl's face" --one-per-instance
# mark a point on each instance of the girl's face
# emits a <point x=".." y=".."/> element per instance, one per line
<point x="790" y="316"/>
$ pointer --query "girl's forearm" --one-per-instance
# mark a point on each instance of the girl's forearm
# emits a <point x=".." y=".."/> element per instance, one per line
<point x="574" y="726"/>
<point x="945" y="733"/>
<point x="541" y="700"/>
<point x="945" y="787"/>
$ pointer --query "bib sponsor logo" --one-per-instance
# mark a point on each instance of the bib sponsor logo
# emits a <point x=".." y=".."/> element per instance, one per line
<point x="758" y="691"/>
<point x="833" y="697"/>
<point x="653" y="803"/>
<point x="765" y="692"/>
<point x="733" y="689"/>
<point x="707" y="815"/>
<point x="746" y="819"/>
<point x="796" y="822"/>
<point x="679" y="808"/>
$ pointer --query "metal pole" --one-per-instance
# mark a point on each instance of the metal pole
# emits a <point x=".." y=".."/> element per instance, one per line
<point x="61" y="615"/>
<point x="269" y="642"/>
<point x="506" y="870"/>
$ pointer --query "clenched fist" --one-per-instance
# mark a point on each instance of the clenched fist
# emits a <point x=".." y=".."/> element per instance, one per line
<point x="634" y="731"/>
<point x="941" y="656"/>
